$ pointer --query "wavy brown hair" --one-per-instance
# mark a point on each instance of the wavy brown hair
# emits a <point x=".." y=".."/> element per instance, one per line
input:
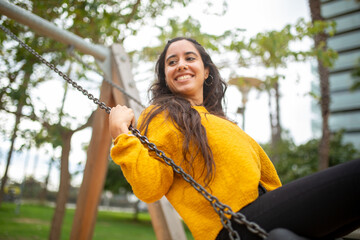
<point x="187" y="119"/>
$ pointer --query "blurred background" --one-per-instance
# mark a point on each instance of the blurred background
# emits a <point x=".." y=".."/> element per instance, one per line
<point x="292" y="68"/>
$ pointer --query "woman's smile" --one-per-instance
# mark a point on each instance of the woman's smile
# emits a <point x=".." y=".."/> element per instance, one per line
<point x="183" y="77"/>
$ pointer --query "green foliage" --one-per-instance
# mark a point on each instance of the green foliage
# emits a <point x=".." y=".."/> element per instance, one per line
<point x="104" y="21"/>
<point x="299" y="161"/>
<point x="315" y="96"/>
<point x="190" y="27"/>
<point x="326" y="55"/>
<point x="341" y="152"/>
<point x="314" y="29"/>
<point x="356" y="77"/>
<point x="18" y="71"/>
<point x="272" y="49"/>
<point x="115" y="180"/>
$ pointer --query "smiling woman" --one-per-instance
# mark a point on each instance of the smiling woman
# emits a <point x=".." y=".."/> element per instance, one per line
<point x="185" y="72"/>
<point x="187" y="122"/>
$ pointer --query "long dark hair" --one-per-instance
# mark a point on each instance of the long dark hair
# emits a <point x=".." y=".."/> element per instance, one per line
<point x="187" y="119"/>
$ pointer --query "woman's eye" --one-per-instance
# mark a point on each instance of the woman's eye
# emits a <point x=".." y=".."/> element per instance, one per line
<point x="190" y="59"/>
<point x="172" y="62"/>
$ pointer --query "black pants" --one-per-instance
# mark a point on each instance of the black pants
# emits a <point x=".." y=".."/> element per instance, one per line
<point x="324" y="205"/>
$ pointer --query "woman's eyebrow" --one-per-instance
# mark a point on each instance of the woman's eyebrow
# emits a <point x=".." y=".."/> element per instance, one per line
<point x="171" y="56"/>
<point x="188" y="53"/>
<point x="174" y="55"/>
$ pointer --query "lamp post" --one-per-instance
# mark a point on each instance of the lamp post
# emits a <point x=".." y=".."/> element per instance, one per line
<point x="245" y="84"/>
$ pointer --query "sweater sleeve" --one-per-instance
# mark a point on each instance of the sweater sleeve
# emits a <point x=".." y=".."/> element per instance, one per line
<point x="268" y="175"/>
<point x="149" y="177"/>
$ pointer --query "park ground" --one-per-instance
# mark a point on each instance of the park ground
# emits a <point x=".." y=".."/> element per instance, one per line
<point x="30" y="221"/>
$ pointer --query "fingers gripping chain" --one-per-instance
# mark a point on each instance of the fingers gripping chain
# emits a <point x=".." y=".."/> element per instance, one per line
<point x="224" y="211"/>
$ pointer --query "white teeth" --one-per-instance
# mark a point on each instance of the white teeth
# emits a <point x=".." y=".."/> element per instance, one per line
<point x="183" y="77"/>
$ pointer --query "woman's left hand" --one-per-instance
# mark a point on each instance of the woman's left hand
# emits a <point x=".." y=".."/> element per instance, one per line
<point x="120" y="119"/>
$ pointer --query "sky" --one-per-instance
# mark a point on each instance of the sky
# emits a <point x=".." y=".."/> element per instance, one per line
<point x="253" y="16"/>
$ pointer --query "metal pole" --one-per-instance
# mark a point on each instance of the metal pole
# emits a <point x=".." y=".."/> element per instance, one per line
<point x="46" y="28"/>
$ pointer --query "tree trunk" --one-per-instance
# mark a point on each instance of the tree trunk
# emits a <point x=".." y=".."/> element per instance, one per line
<point x="277" y="102"/>
<point x="63" y="192"/>
<point x="274" y="115"/>
<point x="136" y="210"/>
<point x="324" y="147"/>
<point x="277" y="114"/>
<point x="271" y="117"/>
<point x="13" y="137"/>
<point x="43" y="193"/>
<point x="272" y="123"/>
<point x="20" y="105"/>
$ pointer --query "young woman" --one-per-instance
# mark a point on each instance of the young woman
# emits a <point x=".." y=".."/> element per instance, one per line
<point x="187" y="122"/>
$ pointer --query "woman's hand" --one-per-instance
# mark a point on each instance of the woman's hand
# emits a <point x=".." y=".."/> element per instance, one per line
<point x="121" y="117"/>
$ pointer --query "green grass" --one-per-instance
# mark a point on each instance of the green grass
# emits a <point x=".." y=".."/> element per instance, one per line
<point x="33" y="223"/>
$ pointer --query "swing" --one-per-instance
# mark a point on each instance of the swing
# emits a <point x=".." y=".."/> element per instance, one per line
<point x="221" y="209"/>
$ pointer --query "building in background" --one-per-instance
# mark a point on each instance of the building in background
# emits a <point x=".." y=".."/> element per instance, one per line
<point x="345" y="103"/>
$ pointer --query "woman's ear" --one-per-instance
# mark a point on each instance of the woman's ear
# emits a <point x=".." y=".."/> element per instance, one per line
<point x="207" y="71"/>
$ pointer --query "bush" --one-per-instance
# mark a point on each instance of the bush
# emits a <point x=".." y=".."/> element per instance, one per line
<point x="299" y="161"/>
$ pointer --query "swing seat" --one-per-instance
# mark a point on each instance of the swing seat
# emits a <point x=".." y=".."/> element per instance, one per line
<point x="283" y="234"/>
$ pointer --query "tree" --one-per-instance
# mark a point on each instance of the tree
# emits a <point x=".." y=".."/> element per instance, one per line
<point x="43" y="192"/>
<point x="63" y="191"/>
<point x="320" y="40"/>
<point x="59" y="136"/>
<point x="21" y="102"/>
<point x="18" y="80"/>
<point x="272" y="51"/>
<point x="64" y="135"/>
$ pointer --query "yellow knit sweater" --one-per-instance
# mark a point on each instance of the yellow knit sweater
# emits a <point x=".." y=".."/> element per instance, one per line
<point x="240" y="165"/>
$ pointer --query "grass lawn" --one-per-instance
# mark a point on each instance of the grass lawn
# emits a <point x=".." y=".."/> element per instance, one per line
<point x="33" y="223"/>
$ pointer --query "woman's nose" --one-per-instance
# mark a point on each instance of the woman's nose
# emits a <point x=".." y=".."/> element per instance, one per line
<point x="182" y="66"/>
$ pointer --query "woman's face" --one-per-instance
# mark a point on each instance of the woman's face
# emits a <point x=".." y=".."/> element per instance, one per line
<point x="184" y="71"/>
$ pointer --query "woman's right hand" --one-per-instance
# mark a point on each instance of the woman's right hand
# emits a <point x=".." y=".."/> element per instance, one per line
<point x="121" y="117"/>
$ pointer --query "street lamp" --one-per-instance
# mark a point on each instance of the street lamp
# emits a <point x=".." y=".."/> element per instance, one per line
<point x="244" y="84"/>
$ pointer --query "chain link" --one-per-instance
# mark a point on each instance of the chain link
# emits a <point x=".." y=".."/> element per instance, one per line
<point x="221" y="209"/>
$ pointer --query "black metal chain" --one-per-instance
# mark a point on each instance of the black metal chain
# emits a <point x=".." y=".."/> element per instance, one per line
<point x="221" y="209"/>
<point x="102" y="105"/>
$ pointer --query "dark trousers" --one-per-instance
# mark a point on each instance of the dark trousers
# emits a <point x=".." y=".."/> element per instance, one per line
<point x="324" y="205"/>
